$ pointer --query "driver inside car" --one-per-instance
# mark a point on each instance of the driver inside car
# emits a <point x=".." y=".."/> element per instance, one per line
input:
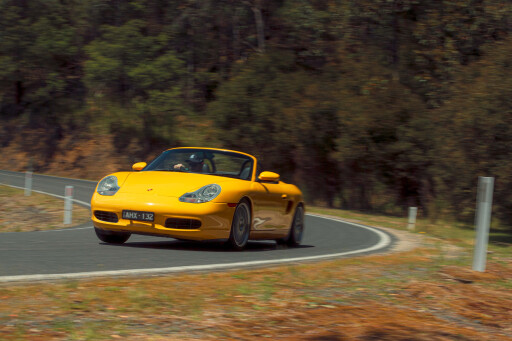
<point x="194" y="164"/>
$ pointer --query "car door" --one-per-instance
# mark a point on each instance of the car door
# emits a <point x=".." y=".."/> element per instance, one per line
<point x="269" y="206"/>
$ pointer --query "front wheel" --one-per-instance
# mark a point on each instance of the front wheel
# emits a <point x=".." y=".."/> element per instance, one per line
<point x="240" y="227"/>
<point x="112" y="237"/>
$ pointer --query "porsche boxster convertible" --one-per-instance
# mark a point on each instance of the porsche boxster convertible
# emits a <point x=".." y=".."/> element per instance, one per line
<point x="199" y="194"/>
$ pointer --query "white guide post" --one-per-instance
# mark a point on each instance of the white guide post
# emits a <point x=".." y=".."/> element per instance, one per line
<point x="68" y="205"/>
<point x="28" y="183"/>
<point x="482" y="221"/>
<point x="411" y="223"/>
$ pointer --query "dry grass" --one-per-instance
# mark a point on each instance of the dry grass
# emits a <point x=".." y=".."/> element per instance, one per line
<point x="404" y="296"/>
<point x="37" y="212"/>
<point x="455" y="234"/>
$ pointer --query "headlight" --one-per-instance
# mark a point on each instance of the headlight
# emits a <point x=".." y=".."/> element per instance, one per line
<point x="203" y="194"/>
<point x="108" y="186"/>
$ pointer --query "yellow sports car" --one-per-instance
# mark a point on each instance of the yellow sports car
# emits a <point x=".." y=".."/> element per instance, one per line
<point x="198" y="194"/>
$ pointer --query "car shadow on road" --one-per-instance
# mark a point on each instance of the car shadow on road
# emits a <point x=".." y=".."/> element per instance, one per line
<point x="173" y="244"/>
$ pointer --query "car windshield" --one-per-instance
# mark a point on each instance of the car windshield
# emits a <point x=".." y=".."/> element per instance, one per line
<point x="204" y="161"/>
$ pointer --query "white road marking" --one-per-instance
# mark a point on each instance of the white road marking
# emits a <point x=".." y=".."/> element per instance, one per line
<point x="22" y="175"/>
<point x="51" y="194"/>
<point x="384" y="241"/>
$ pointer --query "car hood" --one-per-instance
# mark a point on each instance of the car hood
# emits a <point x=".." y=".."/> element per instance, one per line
<point x="171" y="184"/>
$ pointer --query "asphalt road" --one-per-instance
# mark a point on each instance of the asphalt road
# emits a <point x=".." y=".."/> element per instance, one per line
<point x="76" y="252"/>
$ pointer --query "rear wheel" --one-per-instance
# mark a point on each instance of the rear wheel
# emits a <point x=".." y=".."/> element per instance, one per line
<point x="112" y="237"/>
<point x="294" y="237"/>
<point x="240" y="226"/>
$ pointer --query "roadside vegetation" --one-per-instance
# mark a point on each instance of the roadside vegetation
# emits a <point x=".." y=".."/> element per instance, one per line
<point x="37" y="212"/>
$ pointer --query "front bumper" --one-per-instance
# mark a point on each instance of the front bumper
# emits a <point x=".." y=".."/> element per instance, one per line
<point x="215" y="218"/>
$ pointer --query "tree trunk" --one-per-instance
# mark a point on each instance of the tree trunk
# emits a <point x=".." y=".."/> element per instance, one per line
<point x="236" y="36"/>
<point x="256" y="8"/>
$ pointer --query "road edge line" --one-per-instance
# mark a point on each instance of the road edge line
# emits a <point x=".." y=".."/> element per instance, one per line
<point x="21" y="174"/>
<point x="384" y="241"/>
<point x="83" y="203"/>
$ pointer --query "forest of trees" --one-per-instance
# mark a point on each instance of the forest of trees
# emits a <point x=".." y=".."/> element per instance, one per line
<point x="373" y="105"/>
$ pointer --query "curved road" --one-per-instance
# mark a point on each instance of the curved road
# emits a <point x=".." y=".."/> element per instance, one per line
<point x="76" y="252"/>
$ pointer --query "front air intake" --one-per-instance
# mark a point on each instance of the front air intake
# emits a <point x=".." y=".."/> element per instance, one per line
<point x="110" y="217"/>
<point x="182" y="224"/>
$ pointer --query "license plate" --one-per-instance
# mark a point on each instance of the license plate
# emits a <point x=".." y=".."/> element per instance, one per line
<point x="138" y="215"/>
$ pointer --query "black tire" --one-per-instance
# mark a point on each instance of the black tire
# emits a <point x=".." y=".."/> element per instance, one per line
<point x="240" y="227"/>
<point x="112" y="237"/>
<point x="297" y="228"/>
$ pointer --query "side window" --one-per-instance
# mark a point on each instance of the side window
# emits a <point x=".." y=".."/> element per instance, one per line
<point x="246" y="170"/>
<point x="208" y="166"/>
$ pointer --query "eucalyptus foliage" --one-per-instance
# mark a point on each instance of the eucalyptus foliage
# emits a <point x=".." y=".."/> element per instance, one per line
<point x="365" y="104"/>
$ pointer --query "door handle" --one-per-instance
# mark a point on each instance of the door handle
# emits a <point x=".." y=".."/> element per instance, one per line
<point x="284" y="196"/>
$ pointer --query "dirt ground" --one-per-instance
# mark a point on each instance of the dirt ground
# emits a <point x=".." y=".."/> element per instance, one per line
<point x="88" y="156"/>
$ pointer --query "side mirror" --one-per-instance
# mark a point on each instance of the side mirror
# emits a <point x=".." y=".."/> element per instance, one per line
<point x="269" y="177"/>
<point x="139" y="166"/>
